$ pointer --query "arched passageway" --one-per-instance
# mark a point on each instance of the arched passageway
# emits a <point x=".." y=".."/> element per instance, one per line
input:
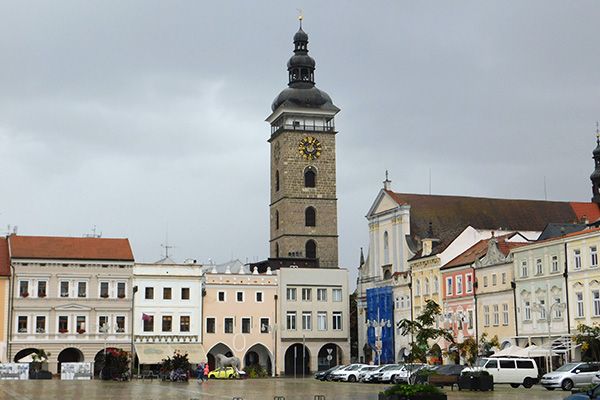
<point x="297" y="360"/>
<point x="70" y="354"/>
<point x="258" y="354"/>
<point x="329" y="356"/>
<point x="218" y="348"/>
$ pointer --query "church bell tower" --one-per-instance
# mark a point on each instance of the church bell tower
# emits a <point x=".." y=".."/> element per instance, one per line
<point x="303" y="209"/>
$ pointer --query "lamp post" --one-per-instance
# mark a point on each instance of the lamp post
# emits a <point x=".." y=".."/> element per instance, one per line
<point x="556" y="306"/>
<point x="378" y="325"/>
<point x="105" y="329"/>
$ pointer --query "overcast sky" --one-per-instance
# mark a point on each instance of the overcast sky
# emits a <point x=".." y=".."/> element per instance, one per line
<point x="146" y="116"/>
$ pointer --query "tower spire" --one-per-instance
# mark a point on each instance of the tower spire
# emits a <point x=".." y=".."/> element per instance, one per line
<point x="595" y="177"/>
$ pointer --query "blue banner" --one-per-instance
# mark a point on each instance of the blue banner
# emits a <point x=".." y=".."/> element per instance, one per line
<point x="380" y="308"/>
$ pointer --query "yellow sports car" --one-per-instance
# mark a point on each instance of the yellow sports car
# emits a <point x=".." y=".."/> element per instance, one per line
<point x="223" y="373"/>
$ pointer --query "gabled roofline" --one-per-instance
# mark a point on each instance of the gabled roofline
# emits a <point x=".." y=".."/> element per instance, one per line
<point x="380" y="195"/>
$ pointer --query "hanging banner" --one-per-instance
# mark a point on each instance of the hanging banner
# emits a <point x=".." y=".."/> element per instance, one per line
<point x="14" y="371"/>
<point x="76" y="371"/>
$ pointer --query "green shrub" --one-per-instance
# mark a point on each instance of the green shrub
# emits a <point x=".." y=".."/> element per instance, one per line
<point x="410" y="390"/>
<point x="256" y="371"/>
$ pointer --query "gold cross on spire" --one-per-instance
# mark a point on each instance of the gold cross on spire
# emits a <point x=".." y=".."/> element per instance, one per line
<point x="300" y="16"/>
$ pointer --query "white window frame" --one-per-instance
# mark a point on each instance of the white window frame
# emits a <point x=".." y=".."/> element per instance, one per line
<point x="37" y="289"/>
<point x="459" y="284"/>
<point x="579" y="303"/>
<point x="206" y="325"/>
<point x="321" y="294"/>
<point x="224" y="296"/>
<point x="524" y="269"/>
<point x="505" y="314"/>
<point x="87" y="289"/>
<point x="496" y="314"/>
<point x="291" y="294"/>
<point x="306" y="294"/>
<point x="125" y="323"/>
<point x="418" y="287"/>
<point x="152" y="317"/>
<point x="539" y="266"/>
<point x="291" y="321"/>
<point x="45" y="323"/>
<point x="29" y="285"/>
<point x="267" y="330"/>
<point x="189" y="325"/>
<point x="69" y="322"/>
<point x="334" y="292"/>
<point x="543" y="315"/>
<point x="527" y="310"/>
<point x="60" y="292"/>
<point x="426" y="287"/>
<point x="107" y="323"/>
<point x="125" y="291"/>
<point x="554" y="262"/>
<point x="486" y="315"/>
<point x="225" y="325"/>
<point x="593" y="256"/>
<point x="322" y="320"/>
<point x="494" y="279"/>
<point x="249" y="319"/>
<point x="469" y="283"/>
<point x="27" y="324"/>
<point x="449" y="288"/>
<point x="557" y="311"/>
<point x="306" y="317"/>
<point x="577" y="257"/>
<point x="436" y="285"/>
<point x="596" y="301"/>
<point x="336" y="315"/>
<point x="262" y="296"/>
<point x="237" y="293"/>
<point x="100" y="289"/>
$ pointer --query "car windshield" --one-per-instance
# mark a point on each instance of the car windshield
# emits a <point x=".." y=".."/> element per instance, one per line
<point x="368" y="368"/>
<point x="480" y="362"/>
<point x="353" y="368"/>
<point x="413" y="367"/>
<point x="566" y="367"/>
<point x="389" y="367"/>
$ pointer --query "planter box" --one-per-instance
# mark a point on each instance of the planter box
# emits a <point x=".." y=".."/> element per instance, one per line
<point x="480" y="382"/>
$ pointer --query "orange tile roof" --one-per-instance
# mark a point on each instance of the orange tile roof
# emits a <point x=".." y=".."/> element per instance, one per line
<point x="4" y="259"/>
<point x="589" y="211"/>
<point x="70" y="248"/>
<point x="479" y="250"/>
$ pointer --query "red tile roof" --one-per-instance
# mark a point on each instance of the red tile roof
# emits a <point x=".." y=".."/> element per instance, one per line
<point x="4" y="259"/>
<point x="450" y="215"/>
<point x="479" y="250"/>
<point x="70" y="248"/>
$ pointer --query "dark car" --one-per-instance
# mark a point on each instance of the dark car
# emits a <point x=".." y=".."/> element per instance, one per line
<point x="326" y="375"/>
<point x="592" y="394"/>
<point x="422" y="376"/>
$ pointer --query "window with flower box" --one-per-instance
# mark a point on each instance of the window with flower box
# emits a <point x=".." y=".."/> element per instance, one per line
<point x="40" y="324"/>
<point x="120" y="324"/>
<point x="41" y="289"/>
<point x="81" y="289"/>
<point x="121" y="290"/>
<point x="104" y="287"/>
<point x="63" y="324"/>
<point x="80" y="324"/>
<point x="184" y="323"/>
<point x="22" y="323"/>
<point x="24" y="288"/>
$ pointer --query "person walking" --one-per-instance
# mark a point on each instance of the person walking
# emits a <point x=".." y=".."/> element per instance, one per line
<point x="206" y="371"/>
<point x="200" y="372"/>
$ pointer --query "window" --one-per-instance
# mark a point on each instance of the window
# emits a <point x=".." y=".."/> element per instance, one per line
<point x="494" y="280"/>
<point x="228" y="327"/>
<point x="310" y="178"/>
<point x="245" y="325"/>
<point x="291" y="320"/>
<point x="542" y="309"/>
<point x="337" y="321"/>
<point x="167" y="293"/>
<point x="306" y="321"/>
<point x="504" y="278"/>
<point x="593" y="256"/>
<point x="276" y="250"/>
<point x="80" y="324"/>
<point x="486" y="315"/>
<point x="577" y="255"/>
<point x="306" y="294"/>
<point x="448" y="286"/>
<point x="149" y="293"/>
<point x="336" y="294"/>
<point x="470" y="321"/>
<point x="426" y="289"/>
<point x="221" y="296"/>
<point x="436" y="284"/>
<point x="121" y="324"/>
<point x="485" y="281"/>
<point x="321" y="294"/>
<point x="185" y="293"/>
<point x="492" y="364"/>
<point x="386" y="248"/>
<point x="148" y="322"/>
<point x="63" y="324"/>
<point x="311" y="249"/>
<point x="322" y="321"/>
<point x="42" y="285"/>
<point x="104" y="289"/>
<point x="496" y="315"/>
<point x="239" y="296"/>
<point x="264" y="325"/>
<point x="64" y="289"/>
<point x="81" y="289"/>
<point x="579" y="301"/>
<point x="103" y="324"/>
<point x="24" y="288"/>
<point x="40" y="324"/>
<point x="291" y="294"/>
<point x="310" y="217"/>
<point x="418" y="287"/>
<point x="525" y="364"/>
<point x="184" y="323"/>
<point x="459" y="287"/>
<point x="505" y="314"/>
<point x="527" y="311"/>
<point x="121" y="290"/>
<point x="539" y="269"/>
<point x="508" y="364"/>
<point x="167" y="323"/>
<point x="554" y="263"/>
<point x="210" y="325"/>
<point x="524" y="269"/>
<point x="596" y="297"/>
<point x="259" y="297"/>
<point x="557" y="309"/>
<point x="22" y="324"/>
<point x="276" y="181"/>
<point x="469" y="280"/>
<point x="276" y="219"/>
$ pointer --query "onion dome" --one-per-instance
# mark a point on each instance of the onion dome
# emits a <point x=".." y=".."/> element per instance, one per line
<point x="301" y="90"/>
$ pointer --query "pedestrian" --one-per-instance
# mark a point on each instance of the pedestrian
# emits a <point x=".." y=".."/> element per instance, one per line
<point x="206" y="371"/>
<point x="200" y="372"/>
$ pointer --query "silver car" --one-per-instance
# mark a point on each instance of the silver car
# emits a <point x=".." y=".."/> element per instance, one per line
<point x="571" y="375"/>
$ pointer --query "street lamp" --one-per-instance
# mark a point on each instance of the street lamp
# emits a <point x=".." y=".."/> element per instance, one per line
<point x="105" y="329"/>
<point x="541" y="308"/>
<point x="378" y="325"/>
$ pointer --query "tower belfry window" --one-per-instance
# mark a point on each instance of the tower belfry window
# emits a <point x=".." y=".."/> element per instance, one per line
<point x="310" y="178"/>
<point x="310" y="217"/>
<point x="311" y="249"/>
<point x="276" y="219"/>
<point x="277" y="180"/>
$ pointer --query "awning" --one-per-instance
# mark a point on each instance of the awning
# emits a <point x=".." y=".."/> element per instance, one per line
<point x="154" y="353"/>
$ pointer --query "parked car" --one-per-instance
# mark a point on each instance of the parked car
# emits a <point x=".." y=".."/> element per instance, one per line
<point x="367" y="373"/>
<point x="348" y="374"/>
<point x="514" y="371"/>
<point x="385" y="374"/>
<point x="223" y="373"/>
<point x="407" y="370"/>
<point x="571" y="375"/>
<point x="592" y="394"/>
<point x="326" y="375"/>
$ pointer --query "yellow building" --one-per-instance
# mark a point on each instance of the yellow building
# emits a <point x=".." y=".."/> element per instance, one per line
<point x="4" y="296"/>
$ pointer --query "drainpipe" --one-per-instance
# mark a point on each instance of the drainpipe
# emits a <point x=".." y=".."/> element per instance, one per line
<point x="275" y="328"/>
<point x="566" y="275"/>
<point x="475" y="304"/>
<point x="135" y="289"/>
<point x="513" y="286"/>
<point x="10" y="301"/>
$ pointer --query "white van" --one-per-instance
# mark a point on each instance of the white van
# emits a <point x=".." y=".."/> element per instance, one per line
<point x="515" y="371"/>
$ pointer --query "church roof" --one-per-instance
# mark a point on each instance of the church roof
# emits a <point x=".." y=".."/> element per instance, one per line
<point x="450" y="215"/>
<point x="70" y="248"/>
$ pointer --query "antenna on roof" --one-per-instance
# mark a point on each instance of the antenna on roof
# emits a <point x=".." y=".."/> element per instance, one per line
<point x="166" y="245"/>
<point x="545" y="190"/>
<point x="94" y="233"/>
<point x="430" y="181"/>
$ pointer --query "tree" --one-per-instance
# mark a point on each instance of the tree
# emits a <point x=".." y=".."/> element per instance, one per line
<point x="422" y="330"/>
<point x="468" y="350"/>
<point x="485" y="345"/>
<point x="588" y="337"/>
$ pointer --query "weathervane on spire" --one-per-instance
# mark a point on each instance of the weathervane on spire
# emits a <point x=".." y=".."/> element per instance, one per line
<point x="597" y="132"/>
<point x="300" y="16"/>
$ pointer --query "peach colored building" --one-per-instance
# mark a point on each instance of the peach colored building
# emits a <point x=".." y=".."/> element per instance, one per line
<point x="239" y="317"/>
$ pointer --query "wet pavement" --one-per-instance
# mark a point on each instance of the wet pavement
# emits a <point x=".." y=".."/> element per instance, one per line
<point x="257" y="389"/>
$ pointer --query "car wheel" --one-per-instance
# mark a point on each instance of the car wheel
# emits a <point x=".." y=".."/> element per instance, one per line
<point x="548" y="388"/>
<point x="231" y="376"/>
<point x="212" y="377"/>
<point x="514" y="385"/>
<point x="351" y="378"/>
<point x="527" y="383"/>
<point x="567" y="385"/>
<point x="328" y="379"/>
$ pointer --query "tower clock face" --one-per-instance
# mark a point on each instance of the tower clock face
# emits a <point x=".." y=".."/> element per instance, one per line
<point x="309" y="148"/>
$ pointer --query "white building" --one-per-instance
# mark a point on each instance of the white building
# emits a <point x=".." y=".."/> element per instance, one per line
<point x="168" y="310"/>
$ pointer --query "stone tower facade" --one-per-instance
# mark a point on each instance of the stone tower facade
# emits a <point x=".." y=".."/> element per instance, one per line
<point x="303" y="207"/>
